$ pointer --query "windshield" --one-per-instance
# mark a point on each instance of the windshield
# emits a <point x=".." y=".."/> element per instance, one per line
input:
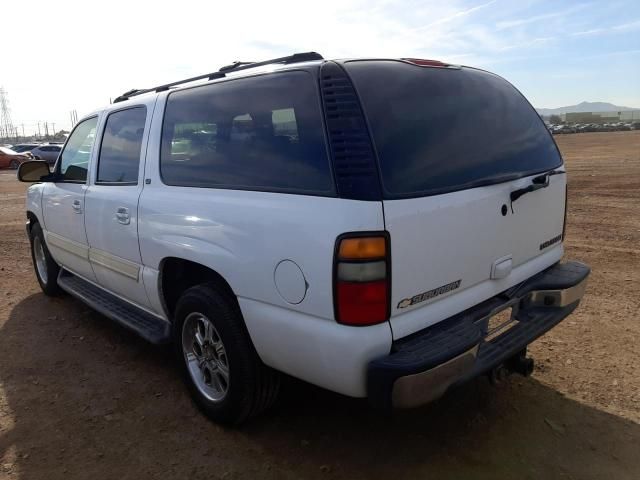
<point x="439" y="130"/>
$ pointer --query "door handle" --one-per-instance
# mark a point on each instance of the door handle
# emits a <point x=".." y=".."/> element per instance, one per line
<point x="77" y="206"/>
<point x="122" y="215"/>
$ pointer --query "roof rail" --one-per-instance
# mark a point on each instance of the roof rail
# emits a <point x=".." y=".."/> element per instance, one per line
<point x="295" y="58"/>
<point x="234" y="67"/>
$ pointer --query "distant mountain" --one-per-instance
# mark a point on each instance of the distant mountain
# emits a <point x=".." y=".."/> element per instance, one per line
<point x="584" y="107"/>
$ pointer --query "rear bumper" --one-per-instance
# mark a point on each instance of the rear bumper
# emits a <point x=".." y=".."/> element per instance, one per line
<point x="423" y="366"/>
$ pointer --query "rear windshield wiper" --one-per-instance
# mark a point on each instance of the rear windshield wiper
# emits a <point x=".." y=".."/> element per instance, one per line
<point x="541" y="181"/>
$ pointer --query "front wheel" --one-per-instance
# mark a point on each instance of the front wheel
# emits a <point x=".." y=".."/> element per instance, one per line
<point x="225" y="376"/>
<point x="14" y="164"/>
<point x="46" y="268"/>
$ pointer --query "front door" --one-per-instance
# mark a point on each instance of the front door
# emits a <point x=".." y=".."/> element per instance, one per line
<point x="63" y="202"/>
<point x="112" y="203"/>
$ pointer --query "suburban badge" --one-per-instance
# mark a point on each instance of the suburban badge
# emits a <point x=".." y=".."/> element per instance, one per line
<point x="421" y="297"/>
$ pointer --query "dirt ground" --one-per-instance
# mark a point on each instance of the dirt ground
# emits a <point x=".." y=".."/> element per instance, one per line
<point x="82" y="398"/>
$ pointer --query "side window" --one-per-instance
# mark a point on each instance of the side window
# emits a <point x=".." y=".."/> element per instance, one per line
<point x="263" y="133"/>
<point x="74" y="159"/>
<point x="119" y="157"/>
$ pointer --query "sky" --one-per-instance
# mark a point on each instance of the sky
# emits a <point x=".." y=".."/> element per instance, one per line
<point x="77" y="55"/>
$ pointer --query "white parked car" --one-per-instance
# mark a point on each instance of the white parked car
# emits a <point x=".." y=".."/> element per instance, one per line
<point x="381" y="228"/>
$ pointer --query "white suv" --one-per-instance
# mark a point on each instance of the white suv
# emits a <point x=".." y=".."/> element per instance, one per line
<point x="380" y="228"/>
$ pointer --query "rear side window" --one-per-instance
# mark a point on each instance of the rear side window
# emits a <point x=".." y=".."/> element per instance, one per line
<point x="121" y="146"/>
<point x="260" y="133"/>
<point x="440" y="130"/>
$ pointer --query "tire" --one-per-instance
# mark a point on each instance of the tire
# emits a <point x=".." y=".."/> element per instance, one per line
<point x="14" y="164"/>
<point x="249" y="386"/>
<point x="37" y="158"/>
<point x="46" y="268"/>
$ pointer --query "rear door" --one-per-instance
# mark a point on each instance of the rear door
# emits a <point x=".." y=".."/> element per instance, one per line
<point x="453" y="143"/>
<point x="112" y="202"/>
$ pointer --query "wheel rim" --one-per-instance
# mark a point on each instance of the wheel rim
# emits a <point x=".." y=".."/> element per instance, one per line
<point x="206" y="357"/>
<point x="41" y="263"/>
<point x="14" y="164"/>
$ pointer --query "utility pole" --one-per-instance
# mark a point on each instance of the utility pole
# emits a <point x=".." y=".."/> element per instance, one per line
<point x="54" y="129"/>
<point x="39" y="135"/>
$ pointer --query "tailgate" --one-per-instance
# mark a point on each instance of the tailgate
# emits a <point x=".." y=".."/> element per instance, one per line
<point x="454" y="144"/>
<point x="452" y="251"/>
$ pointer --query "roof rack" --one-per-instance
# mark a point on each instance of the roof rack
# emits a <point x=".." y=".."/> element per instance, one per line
<point x="234" y="67"/>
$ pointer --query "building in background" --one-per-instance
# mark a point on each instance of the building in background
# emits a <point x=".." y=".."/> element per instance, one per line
<point x="601" y="117"/>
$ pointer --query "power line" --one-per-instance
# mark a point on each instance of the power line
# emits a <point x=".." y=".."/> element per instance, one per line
<point x="6" y="125"/>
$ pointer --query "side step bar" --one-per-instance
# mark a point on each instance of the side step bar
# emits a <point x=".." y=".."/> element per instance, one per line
<point x="151" y="328"/>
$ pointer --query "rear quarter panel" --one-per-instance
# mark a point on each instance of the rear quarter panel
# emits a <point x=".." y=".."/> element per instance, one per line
<point x="243" y="236"/>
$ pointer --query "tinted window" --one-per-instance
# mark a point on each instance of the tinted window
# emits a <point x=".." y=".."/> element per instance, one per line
<point x="121" y="146"/>
<point x="74" y="160"/>
<point x="439" y="130"/>
<point x="262" y="133"/>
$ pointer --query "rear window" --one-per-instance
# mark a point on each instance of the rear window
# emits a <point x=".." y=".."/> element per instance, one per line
<point x="121" y="146"/>
<point x="440" y="130"/>
<point x="260" y="133"/>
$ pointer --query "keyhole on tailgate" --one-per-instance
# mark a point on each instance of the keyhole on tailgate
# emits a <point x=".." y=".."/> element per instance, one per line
<point x="504" y="210"/>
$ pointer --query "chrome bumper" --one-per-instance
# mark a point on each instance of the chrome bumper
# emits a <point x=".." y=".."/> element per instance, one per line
<point x="418" y="371"/>
<point x="557" y="297"/>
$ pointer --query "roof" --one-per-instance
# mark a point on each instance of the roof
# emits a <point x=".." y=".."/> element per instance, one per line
<point x="236" y="70"/>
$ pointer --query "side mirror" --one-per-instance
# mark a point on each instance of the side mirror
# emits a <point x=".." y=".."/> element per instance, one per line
<point x="33" y="171"/>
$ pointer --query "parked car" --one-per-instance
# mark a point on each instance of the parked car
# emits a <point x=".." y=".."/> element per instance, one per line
<point x="24" y="147"/>
<point x="12" y="159"/>
<point x="564" y="129"/>
<point x="47" y="152"/>
<point x="318" y="218"/>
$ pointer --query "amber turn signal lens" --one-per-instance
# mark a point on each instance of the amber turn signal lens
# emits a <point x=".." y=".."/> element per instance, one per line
<point x="362" y="248"/>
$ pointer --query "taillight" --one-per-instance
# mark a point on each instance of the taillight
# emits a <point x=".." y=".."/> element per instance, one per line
<point x="362" y="282"/>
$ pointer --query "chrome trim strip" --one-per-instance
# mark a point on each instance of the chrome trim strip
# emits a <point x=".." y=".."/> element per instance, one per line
<point x="67" y="245"/>
<point x="116" y="264"/>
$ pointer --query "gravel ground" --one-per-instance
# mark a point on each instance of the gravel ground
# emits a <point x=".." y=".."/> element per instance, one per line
<point x="82" y="398"/>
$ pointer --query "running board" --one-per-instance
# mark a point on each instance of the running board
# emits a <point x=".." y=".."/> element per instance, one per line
<point x="148" y="326"/>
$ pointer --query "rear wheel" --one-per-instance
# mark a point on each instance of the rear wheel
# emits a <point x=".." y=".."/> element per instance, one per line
<point x="14" y="164"/>
<point x="44" y="265"/>
<point x="225" y="376"/>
